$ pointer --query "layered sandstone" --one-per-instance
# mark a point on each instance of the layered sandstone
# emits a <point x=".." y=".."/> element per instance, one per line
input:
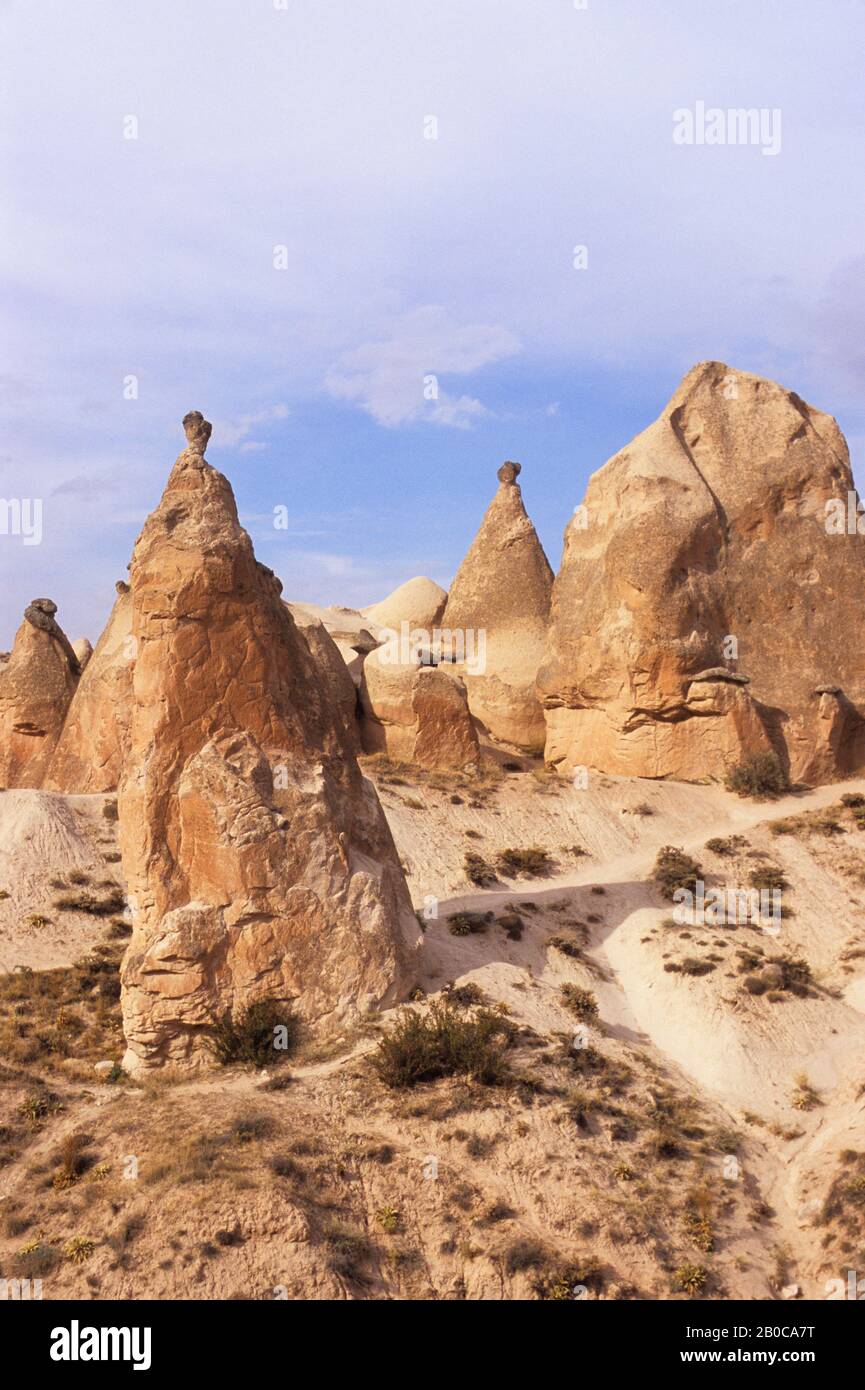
<point x="704" y="551"/>
<point x="496" y="618"/>
<point x="258" y="860"/>
<point x="37" y="683"/>
<point x="95" y="736"/>
<point x="416" y="714"/>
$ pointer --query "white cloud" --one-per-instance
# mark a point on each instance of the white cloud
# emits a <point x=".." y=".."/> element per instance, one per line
<point x="391" y="376"/>
<point x="228" y="433"/>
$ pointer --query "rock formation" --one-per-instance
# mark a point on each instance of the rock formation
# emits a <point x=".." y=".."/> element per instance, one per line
<point x="37" y="683"/>
<point x="416" y="714"/>
<point x="702" y="550"/>
<point x="95" y="736"/>
<point x="502" y="591"/>
<point x="336" y="675"/>
<point x="83" y="649"/>
<point x="419" y="602"/>
<point x="258" y="860"/>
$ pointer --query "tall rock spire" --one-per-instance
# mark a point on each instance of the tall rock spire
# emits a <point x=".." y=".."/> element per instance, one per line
<point x="502" y="590"/>
<point x="258" y="859"/>
<point x="37" y="683"/>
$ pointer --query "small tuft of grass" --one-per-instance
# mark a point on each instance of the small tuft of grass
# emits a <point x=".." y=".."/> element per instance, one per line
<point x="526" y="863"/>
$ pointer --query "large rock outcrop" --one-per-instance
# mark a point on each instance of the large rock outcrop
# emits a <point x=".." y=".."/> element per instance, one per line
<point x="703" y="552"/>
<point x="416" y="714"/>
<point x="95" y="736"/>
<point x="37" y="682"/>
<point x="498" y="606"/>
<point x="257" y="857"/>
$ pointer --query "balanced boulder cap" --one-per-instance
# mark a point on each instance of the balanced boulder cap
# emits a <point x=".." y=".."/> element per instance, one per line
<point x="419" y="602"/>
<point x="258" y="860"/>
<point x="703" y="546"/>
<point x="37" y="682"/>
<point x="502" y="590"/>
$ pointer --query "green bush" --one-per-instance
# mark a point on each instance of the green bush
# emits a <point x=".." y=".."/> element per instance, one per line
<point x="675" y="869"/>
<point x="251" y="1037"/>
<point x="444" y="1042"/>
<point x="762" y="777"/>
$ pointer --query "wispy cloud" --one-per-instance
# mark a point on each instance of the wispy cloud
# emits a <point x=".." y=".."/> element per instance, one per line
<point x="229" y="433"/>
<point x="396" y="378"/>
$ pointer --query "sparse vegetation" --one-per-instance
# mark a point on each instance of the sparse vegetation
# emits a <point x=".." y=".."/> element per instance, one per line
<point x="469" y="923"/>
<point x="690" y="1279"/>
<point x="674" y="869"/>
<point x="444" y="1042"/>
<point x="265" y="1033"/>
<point x="762" y="777"/>
<point x="580" y="1002"/>
<point x="478" y="871"/>
<point x="524" y="863"/>
<point x="804" y="1097"/>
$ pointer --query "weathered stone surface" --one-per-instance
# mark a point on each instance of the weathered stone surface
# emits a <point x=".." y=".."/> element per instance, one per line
<point x="502" y="590"/>
<point x="37" y="683"/>
<point x="711" y="525"/>
<point x="95" y="734"/>
<point x="257" y="857"/>
<point x="419" y="602"/>
<point x="416" y="714"/>
<point x="336" y="675"/>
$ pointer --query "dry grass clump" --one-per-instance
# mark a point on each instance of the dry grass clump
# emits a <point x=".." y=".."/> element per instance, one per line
<point x="762" y="777"/>
<point x="726" y="847"/>
<point x="674" y="869"/>
<point x="469" y="923"/>
<point x="444" y="1042"/>
<point x="524" y="863"/>
<point x="580" y="1002"/>
<point x="112" y="901"/>
<point x="690" y="1279"/>
<point x="804" y="1096"/>
<point x="478" y="871"/>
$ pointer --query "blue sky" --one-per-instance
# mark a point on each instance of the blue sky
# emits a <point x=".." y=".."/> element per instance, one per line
<point x="303" y="127"/>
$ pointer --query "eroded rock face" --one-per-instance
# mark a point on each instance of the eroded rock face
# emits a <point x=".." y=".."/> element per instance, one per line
<point x="257" y="857"/>
<point x="37" y="684"/>
<point x="704" y="545"/>
<point x="502" y="590"/>
<point x="336" y="675"/>
<point x="416" y="714"/>
<point x="95" y="735"/>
